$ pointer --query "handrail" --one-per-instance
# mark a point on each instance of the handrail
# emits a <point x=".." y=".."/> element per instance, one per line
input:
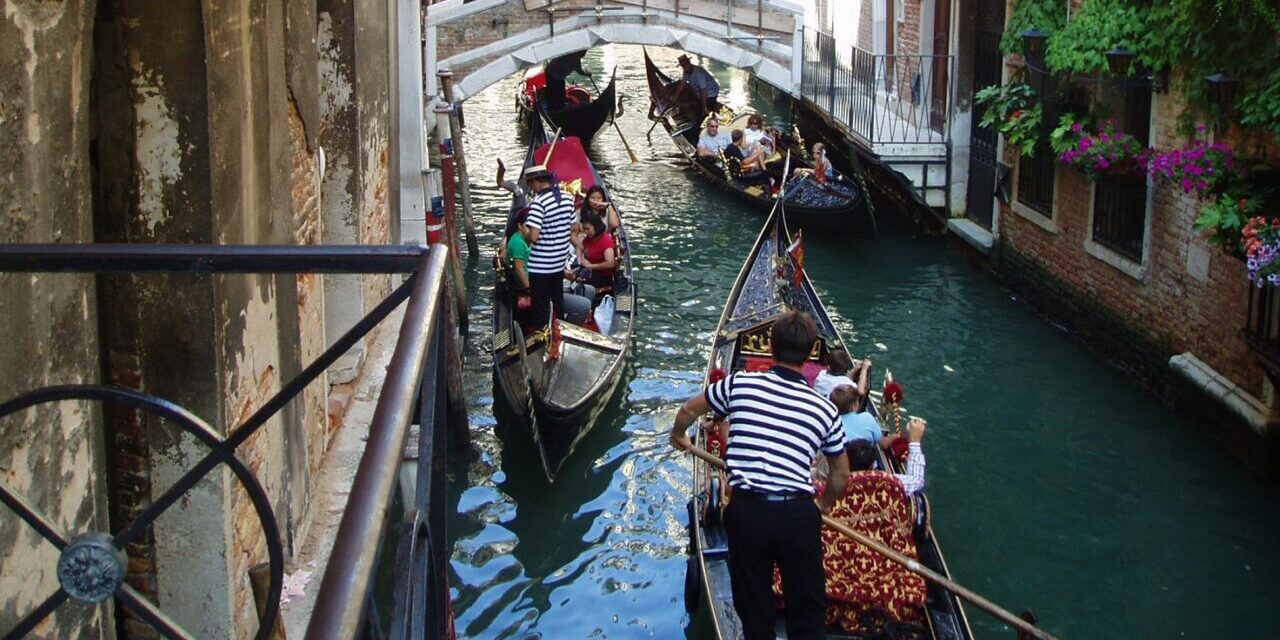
<point x="882" y="98"/>
<point x="340" y="603"/>
<point x="372" y="494"/>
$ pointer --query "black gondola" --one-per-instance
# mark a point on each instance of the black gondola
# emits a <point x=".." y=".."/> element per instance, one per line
<point x="772" y="282"/>
<point x="581" y="117"/>
<point x="560" y="376"/>
<point x="836" y="205"/>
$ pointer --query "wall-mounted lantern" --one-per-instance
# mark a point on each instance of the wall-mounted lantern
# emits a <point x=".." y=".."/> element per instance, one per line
<point x="1033" y="44"/>
<point x="1222" y="89"/>
<point x="1119" y="60"/>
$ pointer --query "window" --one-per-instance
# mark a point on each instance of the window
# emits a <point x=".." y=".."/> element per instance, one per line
<point x="1120" y="202"/>
<point x="1036" y="172"/>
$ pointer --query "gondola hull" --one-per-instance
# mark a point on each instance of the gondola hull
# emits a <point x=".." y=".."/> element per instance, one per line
<point x="769" y="284"/>
<point x="582" y="121"/>
<point x="559" y="377"/>
<point x="838" y="207"/>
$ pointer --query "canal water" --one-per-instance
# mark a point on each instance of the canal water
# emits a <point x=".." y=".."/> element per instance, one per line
<point x="1057" y="485"/>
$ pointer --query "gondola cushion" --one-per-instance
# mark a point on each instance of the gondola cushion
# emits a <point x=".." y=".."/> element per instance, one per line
<point x="859" y="579"/>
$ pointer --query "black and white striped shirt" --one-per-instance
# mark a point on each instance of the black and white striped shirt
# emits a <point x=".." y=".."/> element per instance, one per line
<point x="552" y="214"/>
<point x="777" y="426"/>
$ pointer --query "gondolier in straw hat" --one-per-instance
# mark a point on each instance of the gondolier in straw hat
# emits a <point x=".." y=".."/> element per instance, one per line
<point x="550" y="221"/>
<point x="777" y="426"/>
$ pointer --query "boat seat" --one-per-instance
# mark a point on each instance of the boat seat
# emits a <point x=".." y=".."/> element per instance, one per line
<point x="754" y="177"/>
<point x="860" y="580"/>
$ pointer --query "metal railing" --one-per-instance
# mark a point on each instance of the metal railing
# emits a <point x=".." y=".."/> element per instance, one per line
<point x="346" y="601"/>
<point x="881" y="98"/>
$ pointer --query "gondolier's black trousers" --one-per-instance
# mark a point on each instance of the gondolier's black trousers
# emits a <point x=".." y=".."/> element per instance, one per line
<point x="546" y="289"/>
<point x="764" y="531"/>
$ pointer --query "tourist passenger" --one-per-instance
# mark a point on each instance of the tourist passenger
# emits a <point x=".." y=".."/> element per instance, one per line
<point x="777" y="424"/>
<point x="702" y="82"/>
<point x="551" y="216"/>
<point x="713" y="141"/>
<point x="752" y="156"/>
<point x="596" y="201"/>
<point x="757" y="135"/>
<point x="862" y="457"/>
<point x="858" y="423"/>
<point x="598" y="251"/>
<point x="839" y="372"/>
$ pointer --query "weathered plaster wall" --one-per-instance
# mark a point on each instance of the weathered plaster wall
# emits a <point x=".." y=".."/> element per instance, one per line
<point x="374" y="144"/>
<point x="215" y="134"/>
<point x="51" y="455"/>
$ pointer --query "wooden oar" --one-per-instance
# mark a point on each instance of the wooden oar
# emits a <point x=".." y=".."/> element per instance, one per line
<point x="913" y="566"/>
<point x="614" y="120"/>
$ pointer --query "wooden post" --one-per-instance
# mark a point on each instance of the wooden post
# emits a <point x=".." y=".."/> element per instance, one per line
<point x="456" y="319"/>
<point x="457" y="278"/>
<point x="460" y="158"/>
<point x="260" y="584"/>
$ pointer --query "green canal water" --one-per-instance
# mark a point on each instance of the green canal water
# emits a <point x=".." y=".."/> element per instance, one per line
<point x="1056" y="484"/>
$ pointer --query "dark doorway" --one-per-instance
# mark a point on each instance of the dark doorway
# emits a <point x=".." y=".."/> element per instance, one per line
<point x="941" y="71"/>
<point x="987" y="63"/>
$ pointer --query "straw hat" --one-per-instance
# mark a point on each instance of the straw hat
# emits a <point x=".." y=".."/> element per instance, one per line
<point x="537" y="172"/>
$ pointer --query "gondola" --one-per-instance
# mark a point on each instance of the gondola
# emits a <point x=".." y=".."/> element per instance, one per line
<point x="581" y="117"/>
<point x="559" y="377"/>
<point x="839" y="205"/>
<point x="771" y="282"/>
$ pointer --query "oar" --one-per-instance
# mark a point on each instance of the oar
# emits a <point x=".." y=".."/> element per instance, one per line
<point x="634" y="159"/>
<point x="913" y="566"/>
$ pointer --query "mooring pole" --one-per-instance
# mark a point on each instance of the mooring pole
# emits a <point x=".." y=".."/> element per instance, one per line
<point x="455" y="315"/>
<point x="460" y="158"/>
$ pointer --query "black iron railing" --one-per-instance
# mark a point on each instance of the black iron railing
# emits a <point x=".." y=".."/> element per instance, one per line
<point x="882" y="98"/>
<point x="343" y="608"/>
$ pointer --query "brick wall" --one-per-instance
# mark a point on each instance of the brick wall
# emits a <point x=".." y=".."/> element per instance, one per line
<point x="1139" y="322"/>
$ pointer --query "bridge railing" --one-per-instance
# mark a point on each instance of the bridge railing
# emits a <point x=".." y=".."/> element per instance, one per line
<point x="366" y="592"/>
<point x="881" y="98"/>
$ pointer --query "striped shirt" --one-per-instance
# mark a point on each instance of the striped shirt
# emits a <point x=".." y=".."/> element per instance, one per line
<point x="552" y="214"/>
<point x="777" y="426"/>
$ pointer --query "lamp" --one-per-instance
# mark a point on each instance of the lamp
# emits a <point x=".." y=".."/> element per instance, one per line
<point x="1222" y="89"/>
<point x="1119" y="60"/>
<point x="1033" y="44"/>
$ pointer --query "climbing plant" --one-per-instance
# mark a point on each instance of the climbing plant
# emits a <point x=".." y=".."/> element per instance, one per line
<point x="1190" y="38"/>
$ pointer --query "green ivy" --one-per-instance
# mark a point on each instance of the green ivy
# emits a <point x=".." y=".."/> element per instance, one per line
<point x="1191" y="38"/>
<point x="1046" y="15"/>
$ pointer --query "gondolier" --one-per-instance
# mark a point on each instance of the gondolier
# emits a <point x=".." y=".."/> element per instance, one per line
<point x="550" y="221"/>
<point x="777" y="426"/>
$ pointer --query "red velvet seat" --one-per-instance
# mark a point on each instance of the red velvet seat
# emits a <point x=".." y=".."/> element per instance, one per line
<point x="859" y="579"/>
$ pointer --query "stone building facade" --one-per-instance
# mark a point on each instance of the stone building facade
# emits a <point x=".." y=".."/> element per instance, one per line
<point x="130" y="121"/>
<point x="1154" y="297"/>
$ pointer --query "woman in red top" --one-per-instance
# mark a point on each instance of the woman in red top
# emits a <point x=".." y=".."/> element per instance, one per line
<point x="599" y="251"/>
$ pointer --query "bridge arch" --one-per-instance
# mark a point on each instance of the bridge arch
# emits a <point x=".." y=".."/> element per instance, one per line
<point x="484" y="41"/>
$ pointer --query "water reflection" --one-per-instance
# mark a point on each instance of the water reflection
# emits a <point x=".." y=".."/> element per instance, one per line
<point x="1056" y="484"/>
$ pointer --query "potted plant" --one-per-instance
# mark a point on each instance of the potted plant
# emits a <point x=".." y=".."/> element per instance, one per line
<point x="1201" y="168"/>
<point x="1260" y="240"/>
<point x="1013" y="110"/>
<point x="1107" y="151"/>
<point x="1224" y="220"/>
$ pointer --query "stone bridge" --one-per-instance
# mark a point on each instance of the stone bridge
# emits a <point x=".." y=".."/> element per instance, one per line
<point x="484" y="41"/>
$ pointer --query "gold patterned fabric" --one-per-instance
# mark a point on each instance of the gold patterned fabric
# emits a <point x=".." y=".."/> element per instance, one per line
<point x="859" y="579"/>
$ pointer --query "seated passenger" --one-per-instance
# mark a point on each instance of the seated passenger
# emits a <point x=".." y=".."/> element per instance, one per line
<point x="822" y="170"/>
<point x="597" y="251"/>
<point x="862" y="457"/>
<point x="858" y="423"/>
<point x="839" y="372"/>
<point x="595" y="201"/>
<point x="752" y="156"/>
<point x="758" y="136"/>
<point x="517" y="256"/>
<point x="713" y="141"/>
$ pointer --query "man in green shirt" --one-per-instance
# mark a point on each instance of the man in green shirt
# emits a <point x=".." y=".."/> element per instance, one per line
<point x="518" y="252"/>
